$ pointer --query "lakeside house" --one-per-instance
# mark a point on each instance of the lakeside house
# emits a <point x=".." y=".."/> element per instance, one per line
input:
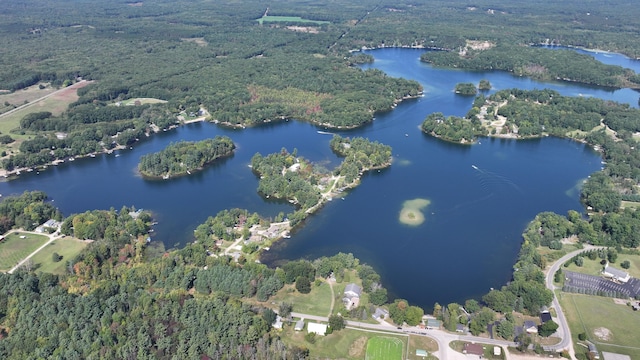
<point x="380" y="314"/>
<point x="49" y="224"/>
<point x="351" y="297"/>
<point x="615" y="274"/>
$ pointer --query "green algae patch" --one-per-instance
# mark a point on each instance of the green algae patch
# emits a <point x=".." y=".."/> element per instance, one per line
<point x="411" y="213"/>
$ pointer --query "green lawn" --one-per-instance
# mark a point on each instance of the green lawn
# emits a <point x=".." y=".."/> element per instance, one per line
<point x="593" y="267"/>
<point x="384" y="348"/>
<point x="611" y="327"/>
<point x="68" y="248"/>
<point x="317" y="302"/>
<point x="343" y="344"/>
<point x="288" y="19"/>
<point x="143" y="101"/>
<point x="13" y="248"/>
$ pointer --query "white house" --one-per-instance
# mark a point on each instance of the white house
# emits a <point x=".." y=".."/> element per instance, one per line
<point x="351" y="297"/>
<point x="615" y="274"/>
<point x="318" y="329"/>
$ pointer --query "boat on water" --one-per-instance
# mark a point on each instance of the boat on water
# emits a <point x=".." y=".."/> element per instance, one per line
<point x="324" y="132"/>
<point x="475" y="167"/>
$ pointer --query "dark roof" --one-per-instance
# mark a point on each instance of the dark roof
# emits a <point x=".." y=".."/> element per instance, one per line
<point x="529" y="324"/>
<point x="475" y="349"/>
<point x="544" y="317"/>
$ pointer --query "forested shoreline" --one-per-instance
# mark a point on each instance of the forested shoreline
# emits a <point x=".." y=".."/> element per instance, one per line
<point x="185" y="157"/>
<point x="120" y="298"/>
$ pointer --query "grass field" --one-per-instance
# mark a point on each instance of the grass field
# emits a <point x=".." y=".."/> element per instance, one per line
<point x="19" y="97"/>
<point x="611" y="327"/>
<point x="384" y="348"/>
<point x="288" y="19"/>
<point x="68" y="248"/>
<point x="143" y="101"/>
<point x="343" y="344"/>
<point x="317" y="302"/>
<point x="422" y="343"/>
<point x="593" y="267"/>
<point x="13" y="248"/>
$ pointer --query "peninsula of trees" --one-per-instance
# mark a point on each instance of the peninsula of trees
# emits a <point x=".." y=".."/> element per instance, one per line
<point x="185" y="157"/>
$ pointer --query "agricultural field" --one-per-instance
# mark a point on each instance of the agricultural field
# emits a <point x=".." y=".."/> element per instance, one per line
<point x="384" y="348"/>
<point x="10" y="100"/>
<point x="142" y="101"/>
<point x="67" y="248"/>
<point x="54" y="102"/>
<point x="288" y="19"/>
<point x="18" y="245"/>
<point x="608" y="323"/>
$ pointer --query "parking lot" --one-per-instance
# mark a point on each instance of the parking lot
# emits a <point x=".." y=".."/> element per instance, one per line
<point x="596" y="285"/>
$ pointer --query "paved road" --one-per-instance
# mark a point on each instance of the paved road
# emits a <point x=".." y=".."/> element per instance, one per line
<point x="443" y="338"/>
<point x="563" y="330"/>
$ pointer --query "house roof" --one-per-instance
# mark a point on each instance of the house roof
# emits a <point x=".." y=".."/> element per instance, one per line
<point x="475" y="349"/>
<point x="615" y="272"/>
<point x="529" y="324"/>
<point x="433" y="323"/>
<point x="353" y="288"/>
<point x="544" y="317"/>
<point x="319" y="329"/>
<point x="420" y="352"/>
<point x="299" y="325"/>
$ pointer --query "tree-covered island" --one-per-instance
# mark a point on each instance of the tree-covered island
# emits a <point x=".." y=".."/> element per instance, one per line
<point x="289" y="177"/>
<point x="466" y="89"/>
<point x="185" y="157"/>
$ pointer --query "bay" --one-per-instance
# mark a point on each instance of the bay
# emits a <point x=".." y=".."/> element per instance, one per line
<point x="482" y="196"/>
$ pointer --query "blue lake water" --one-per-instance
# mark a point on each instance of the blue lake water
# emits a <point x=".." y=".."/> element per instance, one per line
<point x="473" y="226"/>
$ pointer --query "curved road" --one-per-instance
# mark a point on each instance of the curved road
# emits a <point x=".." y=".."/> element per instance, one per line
<point x="563" y="329"/>
<point x="443" y="338"/>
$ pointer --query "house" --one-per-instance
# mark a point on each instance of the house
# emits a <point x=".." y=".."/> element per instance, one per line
<point x="351" y="297"/>
<point x="299" y="325"/>
<point x="497" y="351"/>
<point x="380" y="314"/>
<point x="461" y="328"/>
<point x="49" y="224"/>
<point x="615" y="274"/>
<point x="318" y="329"/>
<point x="545" y="316"/>
<point x="433" y="324"/>
<point x="473" y="349"/>
<point x="530" y="327"/>
<point x="352" y="290"/>
<point x="278" y="323"/>
<point x="422" y="353"/>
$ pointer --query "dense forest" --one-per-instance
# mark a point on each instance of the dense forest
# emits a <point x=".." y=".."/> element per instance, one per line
<point x="120" y="300"/>
<point x="537" y="63"/>
<point x="185" y="157"/>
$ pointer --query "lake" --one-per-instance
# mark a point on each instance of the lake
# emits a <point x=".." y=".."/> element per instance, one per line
<point x="481" y="196"/>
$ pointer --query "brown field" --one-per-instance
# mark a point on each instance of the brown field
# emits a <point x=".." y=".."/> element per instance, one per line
<point x="55" y="102"/>
<point x="18" y="98"/>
